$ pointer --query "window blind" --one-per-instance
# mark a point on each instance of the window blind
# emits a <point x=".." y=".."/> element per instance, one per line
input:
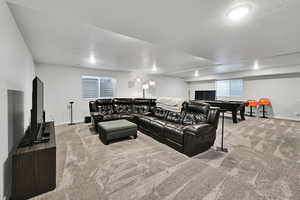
<point x="95" y="87"/>
<point x="106" y="87"/>
<point x="229" y="88"/>
<point x="90" y="88"/>
<point x="223" y="88"/>
<point x="236" y="88"/>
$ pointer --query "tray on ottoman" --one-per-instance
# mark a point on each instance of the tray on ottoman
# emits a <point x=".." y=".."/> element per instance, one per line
<point x="116" y="129"/>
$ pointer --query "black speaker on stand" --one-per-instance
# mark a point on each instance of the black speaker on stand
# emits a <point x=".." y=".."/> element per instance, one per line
<point x="71" y="113"/>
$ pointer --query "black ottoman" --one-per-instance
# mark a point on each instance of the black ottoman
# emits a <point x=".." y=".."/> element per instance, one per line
<point x="116" y="129"/>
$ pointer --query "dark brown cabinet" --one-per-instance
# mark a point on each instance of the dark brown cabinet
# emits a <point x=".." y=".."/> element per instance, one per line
<point x="34" y="168"/>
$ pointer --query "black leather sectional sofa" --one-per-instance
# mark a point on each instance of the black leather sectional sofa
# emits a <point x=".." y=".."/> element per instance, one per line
<point x="191" y="131"/>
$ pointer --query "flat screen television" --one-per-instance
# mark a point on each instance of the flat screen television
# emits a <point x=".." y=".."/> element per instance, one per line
<point x="37" y="111"/>
<point x="208" y="95"/>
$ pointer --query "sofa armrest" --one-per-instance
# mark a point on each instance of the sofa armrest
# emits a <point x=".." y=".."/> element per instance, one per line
<point x="198" y="138"/>
<point x="198" y="129"/>
<point x="213" y="117"/>
<point x="97" y="117"/>
<point x="94" y="113"/>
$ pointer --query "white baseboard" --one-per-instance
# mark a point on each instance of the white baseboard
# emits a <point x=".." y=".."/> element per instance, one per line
<point x="286" y="118"/>
<point x="277" y="117"/>
<point x="64" y="123"/>
<point x="273" y="117"/>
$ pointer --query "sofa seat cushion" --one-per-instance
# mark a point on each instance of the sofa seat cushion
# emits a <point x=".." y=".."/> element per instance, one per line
<point x="145" y="119"/>
<point x="174" y="132"/>
<point x="157" y="127"/>
<point x="137" y="115"/>
<point x="111" y="117"/>
<point x="145" y="123"/>
<point x="151" y="118"/>
<point x="200" y="129"/>
<point x="158" y="122"/>
<point x="125" y="116"/>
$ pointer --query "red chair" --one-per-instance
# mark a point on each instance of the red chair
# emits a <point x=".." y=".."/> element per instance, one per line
<point x="264" y="102"/>
<point x="252" y="103"/>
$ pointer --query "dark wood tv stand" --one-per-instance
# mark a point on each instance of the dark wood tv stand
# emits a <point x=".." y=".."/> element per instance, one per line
<point x="34" y="167"/>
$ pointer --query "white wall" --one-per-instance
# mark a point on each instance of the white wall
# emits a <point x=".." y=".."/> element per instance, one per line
<point x="16" y="73"/>
<point x="282" y="91"/>
<point x="63" y="84"/>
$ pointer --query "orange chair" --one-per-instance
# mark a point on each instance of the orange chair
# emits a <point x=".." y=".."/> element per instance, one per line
<point x="264" y="102"/>
<point x="251" y="103"/>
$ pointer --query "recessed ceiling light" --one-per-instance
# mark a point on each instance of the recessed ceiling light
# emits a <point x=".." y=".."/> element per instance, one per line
<point x="154" y="68"/>
<point x="138" y="80"/>
<point x="92" y="59"/>
<point x="151" y="83"/>
<point x="239" y="12"/>
<point x="256" y="65"/>
<point x="196" y="73"/>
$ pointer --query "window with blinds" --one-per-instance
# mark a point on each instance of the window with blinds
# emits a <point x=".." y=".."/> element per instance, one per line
<point x="96" y="87"/>
<point x="90" y="88"/>
<point x="236" y="88"/>
<point x="106" y="87"/>
<point x="229" y="88"/>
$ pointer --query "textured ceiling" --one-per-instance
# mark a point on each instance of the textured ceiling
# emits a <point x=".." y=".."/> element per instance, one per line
<point x="174" y="34"/>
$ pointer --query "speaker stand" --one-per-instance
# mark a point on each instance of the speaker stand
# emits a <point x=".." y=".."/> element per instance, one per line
<point x="222" y="139"/>
<point x="71" y="113"/>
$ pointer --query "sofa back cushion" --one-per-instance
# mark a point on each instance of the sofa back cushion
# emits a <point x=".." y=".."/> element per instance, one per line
<point x="152" y="102"/>
<point x="100" y="102"/>
<point x="195" y="113"/>
<point x="123" y="108"/>
<point x="175" y="117"/>
<point x="141" y="101"/>
<point x="193" y="118"/>
<point x="122" y="105"/>
<point x="141" y="105"/>
<point x="160" y="113"/>
<point x="188" y="119"/>
<point x="140" y="109"/>
<point x="198" y="108"/>
<point x="105" y="109"/>
<point x="104" y="106"/>
<point x="199" y="117"/>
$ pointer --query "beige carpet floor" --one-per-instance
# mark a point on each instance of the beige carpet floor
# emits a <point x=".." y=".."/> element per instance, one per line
<point x="263" y="162"/>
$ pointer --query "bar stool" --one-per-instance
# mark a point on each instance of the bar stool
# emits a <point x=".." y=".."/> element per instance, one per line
<point x="264" y="102"/>
<point x="252" y="103"/>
